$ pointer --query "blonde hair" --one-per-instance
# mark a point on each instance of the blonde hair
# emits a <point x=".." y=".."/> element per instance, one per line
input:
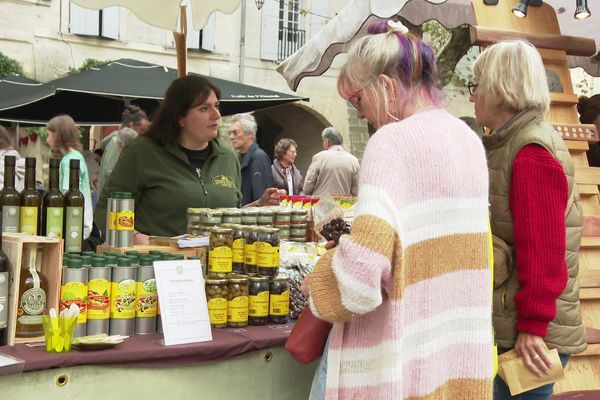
<point x="403" y="57"/>
<point x="512" y="71"/>
<point x="67" y="134"/>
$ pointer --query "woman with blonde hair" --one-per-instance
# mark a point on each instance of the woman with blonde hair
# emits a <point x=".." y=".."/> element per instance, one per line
<point x="63" y="139"/>
<point x="409" y="290"/>
<point x="535" y="210"/>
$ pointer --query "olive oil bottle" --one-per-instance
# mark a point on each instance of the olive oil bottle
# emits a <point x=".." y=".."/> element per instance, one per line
<point x="74" y="206"/>
<point x="30" y="201"/>
<point x="32" y="294"/>
<point x="4" y="281"/>
<point x="9" y="198"/>
<point x="53" y="204"/>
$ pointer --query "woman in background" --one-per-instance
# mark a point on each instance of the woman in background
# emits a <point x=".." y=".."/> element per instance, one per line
<point x="285" y="174"/>
<point x="63" y="138"/>
<point x="6" y="149"/>
<point x="589" y="113"/>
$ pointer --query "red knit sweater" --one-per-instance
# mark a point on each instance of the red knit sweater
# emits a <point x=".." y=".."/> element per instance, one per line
<point x="538" y="198"/>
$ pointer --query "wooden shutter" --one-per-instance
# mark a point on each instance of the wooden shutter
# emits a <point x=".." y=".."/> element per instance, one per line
<point x="269" y="30"/>
<point x="83" y="21"/>
<point x="110" y="22"/>
<point x="208" y="34"/>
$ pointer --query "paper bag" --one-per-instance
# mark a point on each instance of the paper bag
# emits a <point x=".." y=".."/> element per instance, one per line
<point x="519" y="378"/>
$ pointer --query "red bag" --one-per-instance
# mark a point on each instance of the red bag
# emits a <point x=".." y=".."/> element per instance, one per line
<point x="308" y="337"/>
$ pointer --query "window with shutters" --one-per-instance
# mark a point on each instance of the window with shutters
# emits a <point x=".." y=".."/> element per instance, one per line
<point x="104" y="23"/>
<point x="203" y="39"/>
<point x="282" y="28"/>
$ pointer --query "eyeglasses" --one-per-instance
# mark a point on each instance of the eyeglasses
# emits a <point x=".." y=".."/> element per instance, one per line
<point x="354" y="100"/>
<point x="472" y="87"/>
<point x="234" y="132"/>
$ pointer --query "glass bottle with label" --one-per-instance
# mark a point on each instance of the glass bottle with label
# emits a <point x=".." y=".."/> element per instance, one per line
<point x="4" y="281"/>
<point x="53" y="204"/>
<point x="32" y="294"/>
<point x="30" y="201"/>
<point x="9" y="197"/>
<point x="74" y="201"/>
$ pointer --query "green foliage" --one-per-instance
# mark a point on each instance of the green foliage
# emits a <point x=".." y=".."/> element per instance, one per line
<point x="42" y="132"/>
<point x="9" y="66"/>
<point x="89" y="63"/>
<point x="436" y="35"/>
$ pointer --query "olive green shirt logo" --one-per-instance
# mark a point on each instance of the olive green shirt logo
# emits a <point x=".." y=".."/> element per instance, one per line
<point x="223" y="180"/>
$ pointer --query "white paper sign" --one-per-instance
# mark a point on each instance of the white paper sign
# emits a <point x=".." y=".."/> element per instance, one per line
<point x="182" y="300"/>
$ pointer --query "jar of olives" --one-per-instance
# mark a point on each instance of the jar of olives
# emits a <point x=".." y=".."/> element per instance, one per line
<point x="267" y="252"/>
<point x="283" y="216"/>
<point x="219" y="252"/>
<point x="258" y="302"/>
<point x="232" y="216"/>
<point x="249" y="216"/>
<point x="237" y="302"/>
<point x="217" y="297"/>
<point x="298" y="216"/>
<point x="251" y="235"/>
<point x="298" y="232"/>
<point x="265" y="217"/>
<point x="237" y="248"/>
<point x="279" y="299"/>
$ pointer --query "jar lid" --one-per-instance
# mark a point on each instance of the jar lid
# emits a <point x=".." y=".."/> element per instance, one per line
<point x="98" y="261"/>
<point x="216" y="281"/>
<point x="235" y="227"/>
<point x="266" y="211"/>
<point x="196" y="211"/>
<point x="280" y="278"/>
<point x="267" y="229"/>
<point x="221" y="230"/>
<point x="75" y="263"/>
<point x="238" y="279"/>
<point x="232" y="212"/>
<point x="256" y="278"/>
<point x="299" y="211"/>
<point x="250" y="211"/>
<point x="284" y="211"/>
<point x="301" y="225"/>
<point x="123" y="262"/>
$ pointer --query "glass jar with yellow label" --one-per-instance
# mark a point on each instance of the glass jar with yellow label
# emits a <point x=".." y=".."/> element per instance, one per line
<point x="267" y="252"/>
<point x="237" y="302"/>
<point x="217" y="296"/>
<point x="198" y="230"/>
<point x="258" y="302"/>
<point x="237" y="248"/>
<point x="232" y="216"/>
<point x="250" y="237"/>
<point x="220" y="255"/>
<point x="279" y="299"/>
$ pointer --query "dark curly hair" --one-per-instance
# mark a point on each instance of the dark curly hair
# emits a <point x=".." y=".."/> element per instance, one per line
<point x="132" y="114"/>
<point x="588" y="109"/>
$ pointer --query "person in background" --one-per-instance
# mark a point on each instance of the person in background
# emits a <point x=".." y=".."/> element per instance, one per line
<point x="334" y="170"/>
<point x="255" y="164"/>
<point x="589" y="113"/>
<point x="408" y="291"/>
<point x="285" y="174"/>
<point x="63" y="139"/>
<point x="124" y="138"/>
<point x="180" y="162"/>
<point x="133" y="117"/>
<point x="534" y="209"/>
<point x="6" y="149"/>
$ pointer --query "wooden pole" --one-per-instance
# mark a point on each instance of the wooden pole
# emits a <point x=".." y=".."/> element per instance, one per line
<point x="180" y="42"/>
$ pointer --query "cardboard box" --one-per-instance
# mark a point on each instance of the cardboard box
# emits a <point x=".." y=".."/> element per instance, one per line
<point x="14" y="244"/>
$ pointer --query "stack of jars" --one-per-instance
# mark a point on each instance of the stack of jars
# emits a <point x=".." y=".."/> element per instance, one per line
<point x="243" y="285"/>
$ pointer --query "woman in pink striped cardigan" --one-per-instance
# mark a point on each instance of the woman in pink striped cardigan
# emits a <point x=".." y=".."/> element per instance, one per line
<point x="409" y="291"/>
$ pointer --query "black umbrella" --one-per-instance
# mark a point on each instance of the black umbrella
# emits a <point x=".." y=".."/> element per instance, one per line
<point x="96" y="96"/>
<point x="21" y="90"/>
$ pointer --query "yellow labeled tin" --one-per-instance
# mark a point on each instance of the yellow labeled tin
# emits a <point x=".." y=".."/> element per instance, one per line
<point x="98" y="299"/>
<point x="122" y="299"/>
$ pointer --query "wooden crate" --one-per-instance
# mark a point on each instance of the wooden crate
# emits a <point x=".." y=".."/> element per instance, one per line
<point x="145" y="248"/>
<point x="13" y="245"/>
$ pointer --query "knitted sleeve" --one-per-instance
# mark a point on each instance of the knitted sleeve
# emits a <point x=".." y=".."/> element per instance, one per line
<point x="538" y="197"/>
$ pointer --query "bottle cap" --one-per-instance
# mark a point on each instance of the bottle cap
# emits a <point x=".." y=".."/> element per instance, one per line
<point x="74" y="164"/>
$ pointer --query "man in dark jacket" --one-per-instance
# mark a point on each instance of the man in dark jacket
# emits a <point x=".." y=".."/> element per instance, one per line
<point x="254" y="162"/>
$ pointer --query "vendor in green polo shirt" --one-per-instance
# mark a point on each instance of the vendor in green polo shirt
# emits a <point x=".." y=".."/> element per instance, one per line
<point x="179" y="163"/>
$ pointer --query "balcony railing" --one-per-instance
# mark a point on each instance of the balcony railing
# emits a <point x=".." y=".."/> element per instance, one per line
<point x="289" y="40"/>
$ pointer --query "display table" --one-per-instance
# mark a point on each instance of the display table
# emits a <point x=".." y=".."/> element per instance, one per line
<point x="246" y="363"/>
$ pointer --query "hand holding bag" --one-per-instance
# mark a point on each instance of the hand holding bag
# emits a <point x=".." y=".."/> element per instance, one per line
<point x="308" y="337"/>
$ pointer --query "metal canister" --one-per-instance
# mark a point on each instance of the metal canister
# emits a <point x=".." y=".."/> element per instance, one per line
<point x="111" y="217"/>
<point x="146" y="297"/>
<point x="99" y="278"/>
<point x="122" y="298"/>
<point x="74" y="290"/>
<point x="125" y="221"/>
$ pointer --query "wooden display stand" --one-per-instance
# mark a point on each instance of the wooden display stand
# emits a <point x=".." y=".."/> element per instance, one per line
<point x="14" y="244"/>
<point x="540" y="27"/>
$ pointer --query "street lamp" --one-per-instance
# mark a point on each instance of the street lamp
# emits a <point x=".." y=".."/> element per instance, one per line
<point x="259" y="3"/>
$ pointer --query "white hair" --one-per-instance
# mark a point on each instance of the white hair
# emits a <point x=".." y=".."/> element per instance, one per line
<point x="247" y="121"/>
<point x="125" y="136"/>
<point x="513" y="72"/>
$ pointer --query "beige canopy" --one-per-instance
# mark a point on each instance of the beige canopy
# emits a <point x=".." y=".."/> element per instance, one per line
<point x="316" y="56"/>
